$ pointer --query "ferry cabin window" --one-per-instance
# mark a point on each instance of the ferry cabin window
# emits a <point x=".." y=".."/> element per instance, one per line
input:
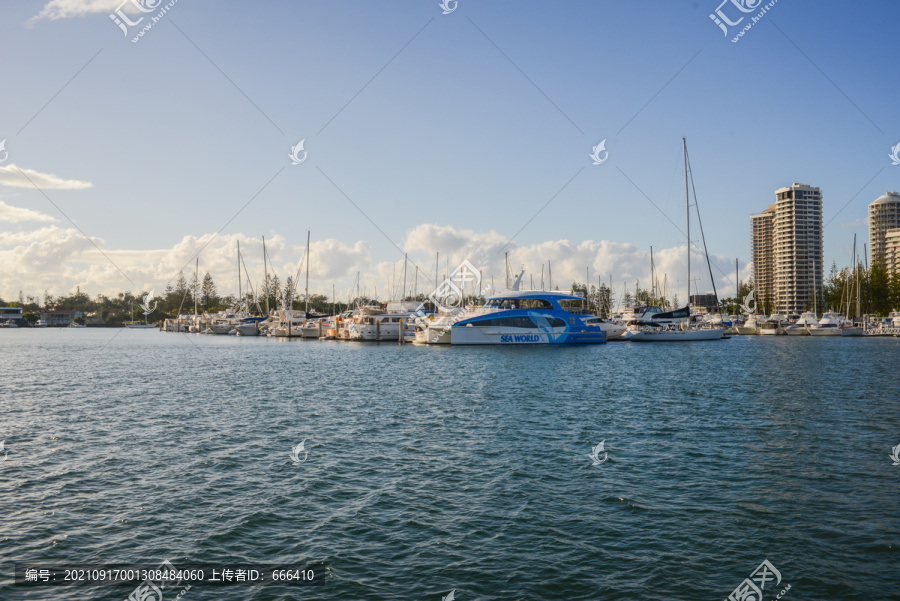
<point x="519" y="303"/>
<point x="569" y="304"/>
<point x="506" y="322"/>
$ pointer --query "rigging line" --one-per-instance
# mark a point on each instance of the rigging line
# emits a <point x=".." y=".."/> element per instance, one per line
<point x="700" y="221"/>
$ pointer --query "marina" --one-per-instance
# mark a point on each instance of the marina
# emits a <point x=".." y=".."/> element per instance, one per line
<point x="597" y="301"/>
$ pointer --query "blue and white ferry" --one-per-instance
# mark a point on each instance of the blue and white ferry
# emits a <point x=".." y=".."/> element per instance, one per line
<point x="518" y="317"/>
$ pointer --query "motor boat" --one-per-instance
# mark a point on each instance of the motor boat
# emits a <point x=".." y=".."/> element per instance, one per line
<point x="523" y="317"/>
<point x="829" y="325"/>
<point x="802" y="325"/>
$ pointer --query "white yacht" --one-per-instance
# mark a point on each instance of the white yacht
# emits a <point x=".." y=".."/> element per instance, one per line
<point x="829" y="325"/>
<point x="802" y="325"/>
<point x="374" y="324"/>
<point x="286" y="323"/>
<point x="751" y="326"/>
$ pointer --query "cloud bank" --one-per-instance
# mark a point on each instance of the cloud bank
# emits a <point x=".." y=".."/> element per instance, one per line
<point x="12" y="175"/>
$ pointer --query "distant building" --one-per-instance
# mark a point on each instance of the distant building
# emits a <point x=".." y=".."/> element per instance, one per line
<point x="762" y="253"/>
<point x="884" y="216"/>
<point x="59" y="318"/>
<point x="787" y="249"/>
<point x="11" y="314"/>
<point x="892" y="250"/>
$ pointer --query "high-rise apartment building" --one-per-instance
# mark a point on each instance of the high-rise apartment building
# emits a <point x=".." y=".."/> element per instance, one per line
<point x="892" y="250"/>
<point x="884" y="215"/>
<point x="762" y="245"/>
<point x="787" y="249"/>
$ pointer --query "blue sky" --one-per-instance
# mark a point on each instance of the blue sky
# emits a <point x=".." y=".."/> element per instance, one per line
<point x="470" y="122"/>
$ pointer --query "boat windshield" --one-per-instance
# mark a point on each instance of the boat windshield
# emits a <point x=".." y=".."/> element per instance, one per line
<point x="573" y="305"/>
<point x="518" y="303"/>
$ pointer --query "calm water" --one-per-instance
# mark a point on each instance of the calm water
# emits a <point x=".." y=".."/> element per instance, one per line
<point x="437" y="468"/>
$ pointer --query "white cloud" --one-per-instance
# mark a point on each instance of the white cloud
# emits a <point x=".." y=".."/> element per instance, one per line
<point x="11" y="175"/>
<point x="65" y="9"/>
<point x="58" y="259"/>
<point x="13" y="214"/>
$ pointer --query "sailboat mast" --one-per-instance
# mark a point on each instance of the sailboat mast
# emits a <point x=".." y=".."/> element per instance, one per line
<point x="240" y="294"/>
<point x="307" y="271"/>
<point x="196" y="281"/>
<point x="687" y="207"/>
<point x="404" y="277"/>
<point x="266" y="273"/>
<point x="856" y="264"/>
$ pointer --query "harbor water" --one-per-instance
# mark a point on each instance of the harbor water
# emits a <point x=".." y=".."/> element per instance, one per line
<point x="442" y="468"/>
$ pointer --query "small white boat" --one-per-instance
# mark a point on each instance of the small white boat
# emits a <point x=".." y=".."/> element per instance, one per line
<point x="770" y="328"/>
<point x="642" y="333"/>
<point x="751" y="326"/>
<point x="613" y="331"/>
<point x="829" y="325"/>
<point x="802" y="325"/>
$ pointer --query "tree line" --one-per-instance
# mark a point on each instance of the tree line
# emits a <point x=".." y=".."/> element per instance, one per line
<point x="878" y="292"/>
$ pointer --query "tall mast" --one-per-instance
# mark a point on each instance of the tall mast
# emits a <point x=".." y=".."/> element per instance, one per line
<point x="506" y="262"/>
<point x="856" y="264"/>
<point x="652" y="276"/>
<point x="240" y="295"/>
<point x="266" y="273"/>
<point x="196" y="282"/>
<point x="687" y="207"/>
<point x="307" y="271"/>
<point x="404" y="277"/>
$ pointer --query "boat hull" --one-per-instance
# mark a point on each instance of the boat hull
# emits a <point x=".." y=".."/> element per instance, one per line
<point x="824" y="331"/>
<point x="796" y="331"/>
<point x="521" y="336"/>
<point x="673" y="335"/>
<point x="852" y="331"/>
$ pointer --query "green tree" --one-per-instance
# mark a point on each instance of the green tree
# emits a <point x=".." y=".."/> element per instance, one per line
<point x="208" y="295"/>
